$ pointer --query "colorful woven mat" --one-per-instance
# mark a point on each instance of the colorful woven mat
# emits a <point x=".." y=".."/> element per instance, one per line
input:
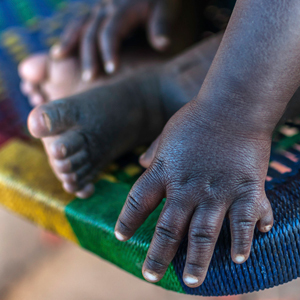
<point x="29" y="188"/>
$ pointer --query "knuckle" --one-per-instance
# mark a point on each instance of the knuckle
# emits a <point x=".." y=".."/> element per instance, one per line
<point x="155" y="262"/>
<point x="157" y="165"/>
<point x="167" y="234"/>
<point x="198" y="267"/>
<point x="242" y="231"/>
<point x="242" y="242"/>
<point x="243" y="224"/>
<point x="134" y="205"/>
<point x="123" y="225"/>
<point x="203" y="235"/>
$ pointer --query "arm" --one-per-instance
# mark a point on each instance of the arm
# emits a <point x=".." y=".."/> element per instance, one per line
<point x="256" y="70"/>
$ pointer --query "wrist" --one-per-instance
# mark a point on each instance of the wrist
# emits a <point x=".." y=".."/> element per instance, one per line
<point x="240" y="109"/>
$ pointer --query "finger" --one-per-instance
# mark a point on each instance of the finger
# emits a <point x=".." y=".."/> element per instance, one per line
<point x="203" y="234"/>
<point x="143" y="198"/>
<point x="243" y="219"/>
<point x="114" y="30"/>
<point x="170" y="230"/>
<point x="161" y="23"/>
<point x="69" y="39"/>
<point x="265" y="223"/>
<point x="147" y="158"/>
<point x="88" y="47"/>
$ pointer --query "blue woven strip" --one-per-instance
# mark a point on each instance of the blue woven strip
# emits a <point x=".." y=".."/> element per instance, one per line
<point x="274" y="257"/>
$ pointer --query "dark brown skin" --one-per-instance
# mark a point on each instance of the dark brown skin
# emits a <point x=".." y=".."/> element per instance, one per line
<point x="213" y="154"/>
<point x="103" y="30"/>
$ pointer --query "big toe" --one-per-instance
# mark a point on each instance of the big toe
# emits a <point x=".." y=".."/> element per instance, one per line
<point x="34" y="68"/>
<point x="52" y="118"/>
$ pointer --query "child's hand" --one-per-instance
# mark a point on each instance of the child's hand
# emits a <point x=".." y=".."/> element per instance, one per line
<point x="109" y="23"/>
<point x="205" y="171"/>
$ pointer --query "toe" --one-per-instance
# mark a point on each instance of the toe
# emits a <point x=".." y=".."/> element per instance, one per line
<point x="86" y="192"/>
<point x="70" y="145"/>
<point x="28" y="88"/>
<point x="34" y="68"/>
<point x="36" y="99"/>
<point x="72" y="163"/>
<point x="76" y="182"/>
<point x="53" y="118"/>
<point x="83" y="193"/>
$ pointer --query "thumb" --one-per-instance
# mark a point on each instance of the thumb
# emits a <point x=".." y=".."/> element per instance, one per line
<point x="147" y="158"/>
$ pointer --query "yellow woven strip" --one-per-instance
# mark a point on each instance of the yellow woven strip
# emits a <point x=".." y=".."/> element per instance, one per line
<point x="29" y="188"/>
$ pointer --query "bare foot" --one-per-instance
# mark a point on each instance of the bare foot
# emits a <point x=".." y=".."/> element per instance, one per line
<point x="83" y="132"/>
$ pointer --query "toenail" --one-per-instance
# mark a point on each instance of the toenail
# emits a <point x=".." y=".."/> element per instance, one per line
<point x="87" y="75"/>
<point x="190" y="279"/>
<point x="120" y="236"/>
<point x="150" y="276"/>
<point x="110" y="67"/>
<point x="56" y="51"/>
<point x="47" y="121"/>
<point x="240" y="259"/>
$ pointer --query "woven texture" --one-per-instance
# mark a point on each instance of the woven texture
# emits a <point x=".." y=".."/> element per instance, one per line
<point x="29" y="188"/>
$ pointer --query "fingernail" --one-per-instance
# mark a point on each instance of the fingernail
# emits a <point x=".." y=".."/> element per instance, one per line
<point x="268" y="228"/>
<point x="56" y="51"/>
<point x="190" y="279"/>
<point x="47" y="121"/>
<point x="150" y="276"/>
<point x="120" y="236"/>
<point x="143" y="156"/>
<point x="162" y="41"/>
<point x="87" y="75"/>
<point x="240" y="259"/>
<point x="110" y="67"/>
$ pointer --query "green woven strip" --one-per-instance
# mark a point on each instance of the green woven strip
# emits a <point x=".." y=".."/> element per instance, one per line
<point x="58" y="4"/>
<point x="25" y="11"/>
<point x="288" y="142"/>
<point x="93" y="223"/>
